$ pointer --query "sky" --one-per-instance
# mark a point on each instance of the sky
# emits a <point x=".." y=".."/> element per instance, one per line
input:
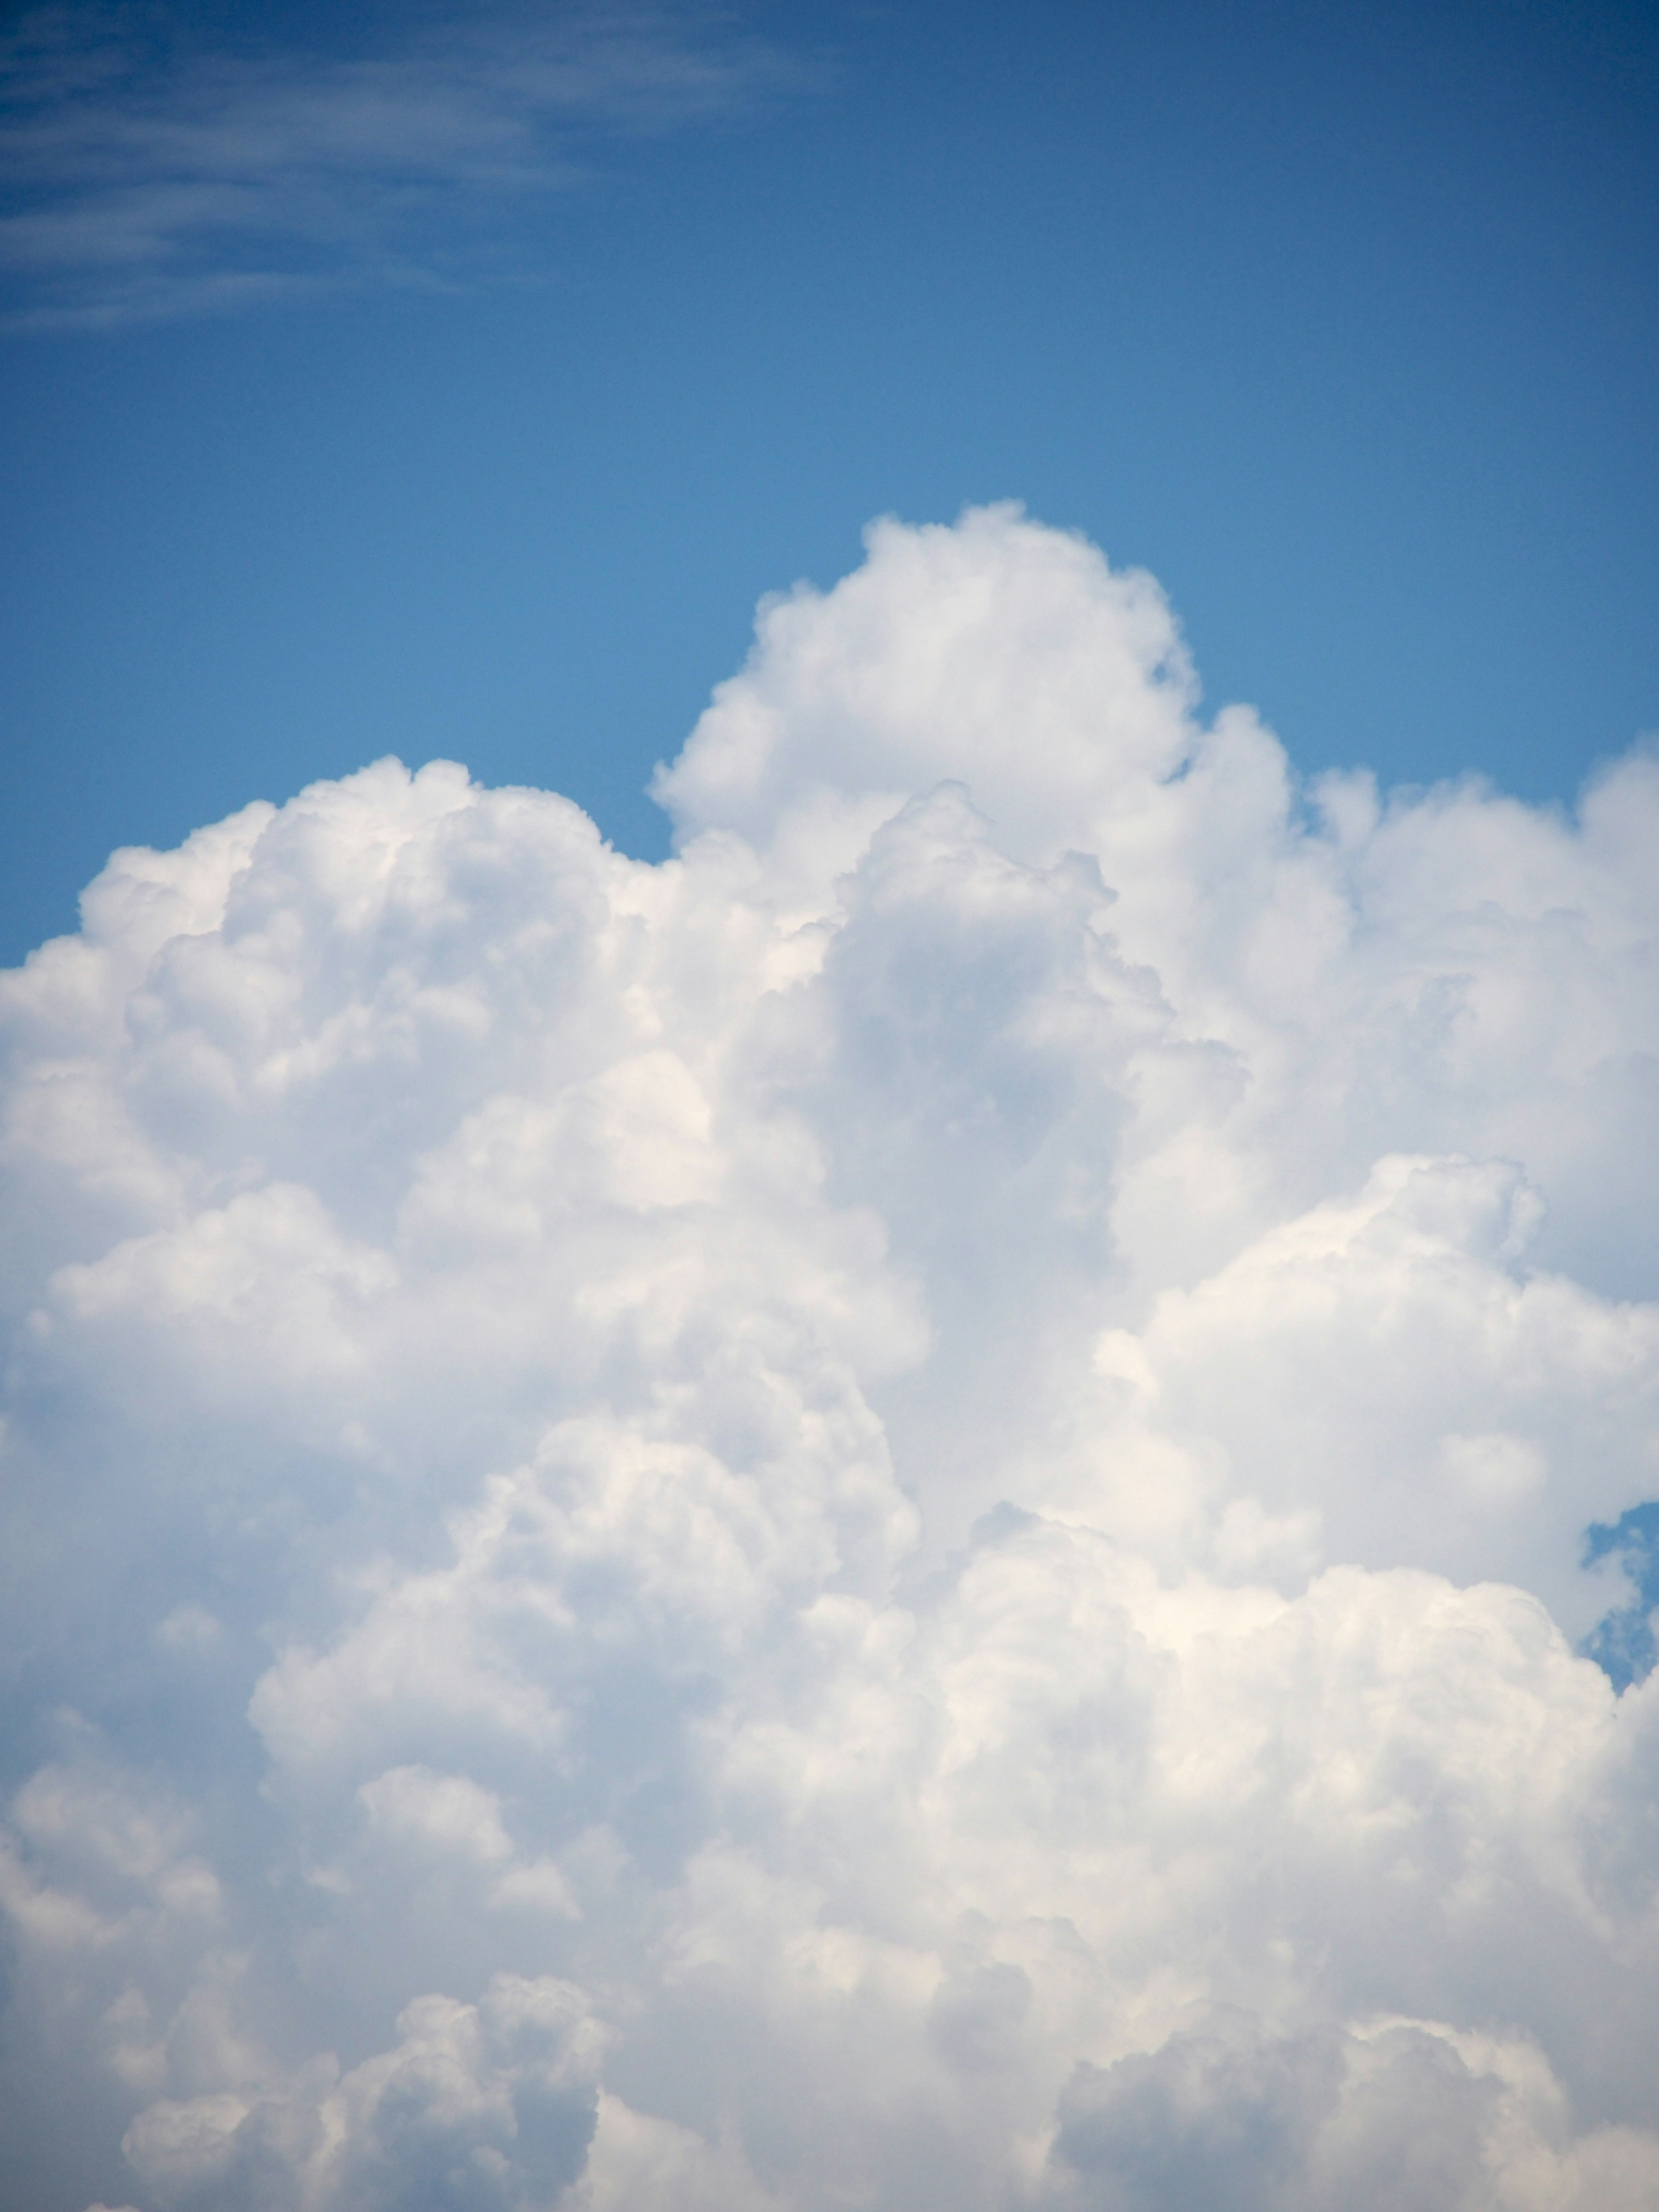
<point x="454" y="382"/>
<point x="830" y="1346"/>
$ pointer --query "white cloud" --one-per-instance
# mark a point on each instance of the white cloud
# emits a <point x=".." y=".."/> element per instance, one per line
<point x="891" y="1514"/>
<point x="151" y="176"/>
<point x="483" y="2105"/>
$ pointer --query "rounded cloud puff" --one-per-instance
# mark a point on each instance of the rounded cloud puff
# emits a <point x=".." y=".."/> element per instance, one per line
<point x="896" y="1514"/>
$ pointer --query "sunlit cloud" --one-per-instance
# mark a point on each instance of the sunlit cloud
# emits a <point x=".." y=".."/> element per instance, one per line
<point x="947" y="1504"/>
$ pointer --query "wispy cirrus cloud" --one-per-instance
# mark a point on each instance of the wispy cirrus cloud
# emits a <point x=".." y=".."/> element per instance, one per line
<point x="143" y="179"/>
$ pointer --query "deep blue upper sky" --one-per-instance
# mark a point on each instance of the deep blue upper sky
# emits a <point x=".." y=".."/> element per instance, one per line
<point x="1342" y="320"/>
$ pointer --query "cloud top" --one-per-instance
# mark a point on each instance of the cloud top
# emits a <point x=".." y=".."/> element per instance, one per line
<point x="907" y="1511"/>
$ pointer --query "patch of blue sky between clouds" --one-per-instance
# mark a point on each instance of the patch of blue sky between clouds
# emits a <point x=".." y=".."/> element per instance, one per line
<point x="147" y="174"/>
<point x="1623" y="1644"/>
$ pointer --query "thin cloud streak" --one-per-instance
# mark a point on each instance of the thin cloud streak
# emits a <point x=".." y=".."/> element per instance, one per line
<point x="143" y="183"/>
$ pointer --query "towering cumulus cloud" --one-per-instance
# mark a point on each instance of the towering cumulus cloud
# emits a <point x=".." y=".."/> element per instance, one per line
<point x="940" y="1509"/>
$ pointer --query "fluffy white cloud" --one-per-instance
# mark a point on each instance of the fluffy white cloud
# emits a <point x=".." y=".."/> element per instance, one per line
<point x="894" y="1515"/>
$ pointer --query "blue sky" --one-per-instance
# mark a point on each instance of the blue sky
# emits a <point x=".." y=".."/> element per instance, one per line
<point x="1339" y="318"/>
<point x="951" y="1503"/>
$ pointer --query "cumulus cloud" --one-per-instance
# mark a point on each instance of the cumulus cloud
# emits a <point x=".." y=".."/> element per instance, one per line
<point x="148" y="175"/>
<point x="948" y="1504"/>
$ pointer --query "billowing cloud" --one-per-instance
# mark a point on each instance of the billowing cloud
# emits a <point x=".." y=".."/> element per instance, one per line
<point x="917" y="1511"/>
<point x="149" y="176"/>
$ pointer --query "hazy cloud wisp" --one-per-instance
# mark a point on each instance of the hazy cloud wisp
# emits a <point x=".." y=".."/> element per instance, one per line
<point x="145" y="178"/>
